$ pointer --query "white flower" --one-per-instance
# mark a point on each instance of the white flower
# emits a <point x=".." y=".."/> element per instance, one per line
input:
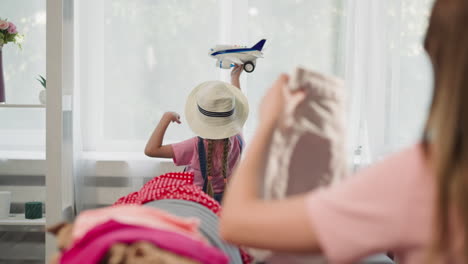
<point x="4" y="25"/>
<point x="19" y="39"/>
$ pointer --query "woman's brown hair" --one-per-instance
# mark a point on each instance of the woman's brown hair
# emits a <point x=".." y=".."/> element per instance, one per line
<point x="446" y="130"/>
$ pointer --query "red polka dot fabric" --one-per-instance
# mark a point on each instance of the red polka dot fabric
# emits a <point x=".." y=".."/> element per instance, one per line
<point x="175" y="185"/>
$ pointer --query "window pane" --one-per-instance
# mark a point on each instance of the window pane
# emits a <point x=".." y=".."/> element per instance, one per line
<point x="22" y="67"/>
<point x="298" y="33"/>
<point x="24" y="129"/>
<point x="155" y="53"/>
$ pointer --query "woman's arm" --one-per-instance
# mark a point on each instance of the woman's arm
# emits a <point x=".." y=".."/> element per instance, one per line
<point x="246" y="219"/>
<point x="235" y="75"/>
<point x="154" y="147"/>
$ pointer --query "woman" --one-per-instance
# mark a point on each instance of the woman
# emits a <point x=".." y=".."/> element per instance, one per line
<point x="413" y="203"/>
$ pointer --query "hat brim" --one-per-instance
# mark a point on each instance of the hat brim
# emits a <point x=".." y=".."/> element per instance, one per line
<point x="212" y="131"/>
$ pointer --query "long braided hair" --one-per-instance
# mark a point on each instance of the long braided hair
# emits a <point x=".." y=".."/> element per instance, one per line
<point x="210" y="163"/>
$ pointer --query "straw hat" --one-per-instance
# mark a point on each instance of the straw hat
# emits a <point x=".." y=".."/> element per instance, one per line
<point x="216" y="110"/>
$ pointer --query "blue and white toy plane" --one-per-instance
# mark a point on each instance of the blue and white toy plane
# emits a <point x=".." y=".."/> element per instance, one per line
<point x="227" y="55"/>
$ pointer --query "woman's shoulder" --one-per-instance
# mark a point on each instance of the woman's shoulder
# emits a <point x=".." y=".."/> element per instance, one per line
<point x="389" y="202"/>
<point x="408" y="162"/>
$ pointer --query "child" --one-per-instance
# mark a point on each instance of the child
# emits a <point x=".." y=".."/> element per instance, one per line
<point x="216" y="112"/>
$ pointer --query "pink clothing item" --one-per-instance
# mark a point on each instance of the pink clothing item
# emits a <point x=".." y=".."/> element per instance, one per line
<point x="175" y="185"/>
<point x="386" y="207"/>
<point x="135" y="215"/>
<point x="186" y="154"/>
<point x="94" y="245"/>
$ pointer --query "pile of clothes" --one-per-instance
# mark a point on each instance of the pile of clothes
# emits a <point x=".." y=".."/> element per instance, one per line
<point x="175" y="185"/>
<point x="169" y="220"/>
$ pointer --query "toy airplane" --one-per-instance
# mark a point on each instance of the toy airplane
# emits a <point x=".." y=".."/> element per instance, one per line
<point x="227" y="55"/>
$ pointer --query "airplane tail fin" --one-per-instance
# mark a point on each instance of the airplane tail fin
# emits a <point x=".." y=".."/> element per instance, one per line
<point x="259" y="45"/>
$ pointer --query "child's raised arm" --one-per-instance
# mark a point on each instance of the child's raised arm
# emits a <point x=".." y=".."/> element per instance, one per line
<point x="154" y="147"/>
<point x="235" y="75"/>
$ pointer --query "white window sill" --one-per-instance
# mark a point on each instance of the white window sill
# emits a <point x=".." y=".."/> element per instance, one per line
<point x="94" y="156"/>
<point x="22" y="155"/>
<point x="121" y="156"/>
<point x="19" y="219"/>
<point x="108" y="164"/>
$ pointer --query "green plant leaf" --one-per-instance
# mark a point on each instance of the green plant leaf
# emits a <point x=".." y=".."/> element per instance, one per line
<point x="10" y="37"/>
<point x="42" y="80"/>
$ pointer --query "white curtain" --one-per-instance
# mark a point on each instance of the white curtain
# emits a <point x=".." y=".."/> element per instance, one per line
<point x="137" y="59"/>
<point x="388" y="75"/>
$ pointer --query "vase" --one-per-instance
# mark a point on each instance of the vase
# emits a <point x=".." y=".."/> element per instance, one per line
<point x="5" y="201"/>
<point x="42" y="97"/>
<point x="2" y="81"/>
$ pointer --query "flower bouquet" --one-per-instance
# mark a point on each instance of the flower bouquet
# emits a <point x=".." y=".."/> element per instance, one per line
<point x="8" y="33"/>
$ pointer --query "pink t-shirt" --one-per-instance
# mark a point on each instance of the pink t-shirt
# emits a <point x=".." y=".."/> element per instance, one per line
<point x="136" y="215"/>
<point x="186" y="154"/>
<point x="386" y="207"/>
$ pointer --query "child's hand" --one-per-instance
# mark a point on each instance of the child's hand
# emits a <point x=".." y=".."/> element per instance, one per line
<point x="235" y="75"/>
<point x="172" y="117"/>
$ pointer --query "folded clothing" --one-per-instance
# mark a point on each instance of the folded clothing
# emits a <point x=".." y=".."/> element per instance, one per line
<point x="143" y="253"/>
<point x="136" y="215"/>
<point x="209" y="223"/>
<point x="94" y="245"/>
<point x="175" y="186"/>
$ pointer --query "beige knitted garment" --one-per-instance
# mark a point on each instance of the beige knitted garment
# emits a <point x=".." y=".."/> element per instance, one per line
<point x="308" y="148"/>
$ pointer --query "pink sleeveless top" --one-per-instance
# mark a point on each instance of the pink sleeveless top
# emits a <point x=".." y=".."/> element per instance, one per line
<point x="186" y="154"/>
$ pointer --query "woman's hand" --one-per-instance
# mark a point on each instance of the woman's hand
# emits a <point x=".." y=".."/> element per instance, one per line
<point x="272" y="105"/>
<point x="172" y="117"/>
<point x="277" y="100"/>
<point x="242" y="196"/>
<point x="235" y="75"/>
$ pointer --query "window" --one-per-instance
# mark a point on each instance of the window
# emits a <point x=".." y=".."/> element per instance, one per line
<point x="299" y="32"/>
<point x="24" y="128"/>
<point x="139" y="59"/>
